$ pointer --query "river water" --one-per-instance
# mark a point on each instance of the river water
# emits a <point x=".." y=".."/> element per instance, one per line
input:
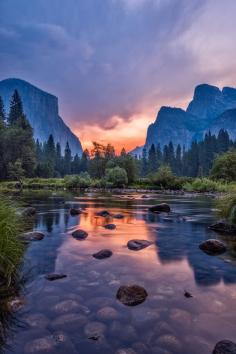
<point x="80" y="313"/>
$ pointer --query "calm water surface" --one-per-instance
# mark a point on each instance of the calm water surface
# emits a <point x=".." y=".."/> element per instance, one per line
<point x="67" y="316"/>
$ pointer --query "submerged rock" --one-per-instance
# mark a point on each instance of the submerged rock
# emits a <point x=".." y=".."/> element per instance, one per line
<point x="80" y="234"/>
<point x="55" y="276"/>
<point x="163" y="207"/>
<point x="30" y="211"/>
<point x="102" y="254"/>
<point x="126" y="351"/>
<point x="103" y="213"/>
<point x="95" y="329"/>
<point x="69" y="321"/>
<point x="170" y="342"/>
<point x="36" y="320"/>
<point x="225" y="347"/>
<point x="110" y="226"/>
<point x="107" y="313"/>
<point x="137" y="245"/>
<point x="131" y="295"/>
<point x="32" y="236"/>
<point x="74" y="211"/>
<point x="222" y="227"/>
<point x="212" y="247"/>
<point x="15" y="304"/>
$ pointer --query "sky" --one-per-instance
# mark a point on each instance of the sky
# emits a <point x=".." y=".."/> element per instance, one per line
<point x="114" y="63"/>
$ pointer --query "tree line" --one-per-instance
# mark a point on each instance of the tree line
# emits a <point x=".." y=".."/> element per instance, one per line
<point x="197" y="161"/>
<point x="22" y="156"/>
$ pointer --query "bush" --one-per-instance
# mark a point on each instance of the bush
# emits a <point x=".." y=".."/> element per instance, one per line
<point x="224" y="167"/>
<point x="165" y="179"/>
<point x="78" y="181"/>
<point x="116" y="177"/>
<point x="227" y="206"/>
<point x="205" y="185"/>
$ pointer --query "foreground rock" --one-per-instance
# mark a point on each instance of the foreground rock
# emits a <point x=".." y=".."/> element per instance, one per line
<point x="212" y="247"/>
<point x="222" y="227"/>
<point x="74" y="212"/>
<point x="102" y="254"/>
<point x="225" y="347"/>
<point x="160" y="208"/>
<point x="131" y="295"/>
<point x="15" y="304"/>
<point x="110" y="226"/>
<point x="30" y="211"/>
<point x="103" y="213"/>
<point x="80" y="234"/>
<point x="137" y="245"/>
<point x="55" y="276"/>
<point x="126" y="351"/>
<point x="32" y="236"/>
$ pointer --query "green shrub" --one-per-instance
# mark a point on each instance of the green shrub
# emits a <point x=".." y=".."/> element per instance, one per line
<point x="165" y="179"/>
<point x="205" y="185"/>
<point x="116" y="177"/>
<point x="11" y="248"/>
<point x="78" y="181"/>
<point x="224" y="167"/>
<point x="227" y="206"/>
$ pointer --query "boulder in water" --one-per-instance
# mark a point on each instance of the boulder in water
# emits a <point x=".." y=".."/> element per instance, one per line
<point x="74" y="211"/>
<point x="32" y="236"/>
<point x="30" y="211"/>
<point x="212" y="247"/>
<point x="80" y="234"/>
<point x="118" y="216"/>
<point x="110" y="226"/>
<point x="223" y="227"/>
<point x="131" y="295"/>
<point x="103" y="213"/>
<point x="225" y="347"/>
<point x="55" y="276"/>
<point x="137" y="245"/>
<point x="103" y="254"/>
<point x="160" y="208"/>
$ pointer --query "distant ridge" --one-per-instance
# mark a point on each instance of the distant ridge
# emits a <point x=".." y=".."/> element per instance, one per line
<point x="41" y="109"/>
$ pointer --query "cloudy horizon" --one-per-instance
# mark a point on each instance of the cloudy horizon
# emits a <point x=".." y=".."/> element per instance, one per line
<point x="112" y="64"/>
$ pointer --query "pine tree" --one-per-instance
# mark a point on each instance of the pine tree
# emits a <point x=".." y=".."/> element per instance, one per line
<point x="152" y="159"/>
<point x="2" y="114"/>
<point x="178" y="161"/>
<point x="59" y="167"/>
<point x="67" y="160"/>
<point x="84" y="161"/>
<point x="75" y="169"/>
<point x="144" y="163"/>
<point x="123" y="152"/>
<point x="223" y="141"/>
<point x="16" y="108"/>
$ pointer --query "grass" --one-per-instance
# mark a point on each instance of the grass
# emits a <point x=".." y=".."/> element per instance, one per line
<point x="205" y="185"/>
<point x="227" y="206"/>
<point x="11" y="248"/>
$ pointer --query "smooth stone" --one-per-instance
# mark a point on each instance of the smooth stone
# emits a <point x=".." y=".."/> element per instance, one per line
<point x="212" y="247"/>
<point x="225" y="347"/>
<point x="74" y="211"/>
<point x="140" y="347"/>
<point x="163" y="207"/>
<point x="118" y="216"/>
<point x="181" y="318"/>
<point x="107" y="313"/>
<point x="131" y="295"/>
<point x="80" y="234"/>
<point x="66" y="306"/>
<point x="69" y="321"/>
<point x="102" y="254"/>
<point x="94" y="329"/>
<point x="55" y="276"/>
<point x="110" y="226"/>
<point x="137" y="245"/>
<point x="36" y="320"/>
<point x="30" y="211"/>
<point x="169" y="342"/>
<point x="144" y="315"/>
<point x="15" y="304"/>
<point x="55" y="343"/>
<point x="103" y="213"/>
<point x="32" y="236"/>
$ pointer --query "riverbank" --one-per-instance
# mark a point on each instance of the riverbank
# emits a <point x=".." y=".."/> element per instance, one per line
<point x="180" y="186"/>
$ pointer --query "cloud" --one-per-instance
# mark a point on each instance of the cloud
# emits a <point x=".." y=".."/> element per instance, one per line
<point x="114" y="60"/>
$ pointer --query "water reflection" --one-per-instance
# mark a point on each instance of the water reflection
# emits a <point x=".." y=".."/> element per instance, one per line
<point x="167" y="322"/>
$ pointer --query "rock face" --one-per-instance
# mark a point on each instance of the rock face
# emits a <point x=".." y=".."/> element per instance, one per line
<point x="210" y="109"/>
<point x="131" y="295"/>
<point x="137" y="245"/>
<point x="41" y="109"/>
<point x="225" y="347"/>
<point x="212" y="247"/>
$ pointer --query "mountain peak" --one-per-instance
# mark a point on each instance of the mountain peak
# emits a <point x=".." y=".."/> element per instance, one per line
<point x="41" y="109"/>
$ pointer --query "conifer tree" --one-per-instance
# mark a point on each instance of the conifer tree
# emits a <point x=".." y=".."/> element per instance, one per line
<point x="2" y="114"/>
<point x="67" y="160"/>
<point x="16" y="108"/>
